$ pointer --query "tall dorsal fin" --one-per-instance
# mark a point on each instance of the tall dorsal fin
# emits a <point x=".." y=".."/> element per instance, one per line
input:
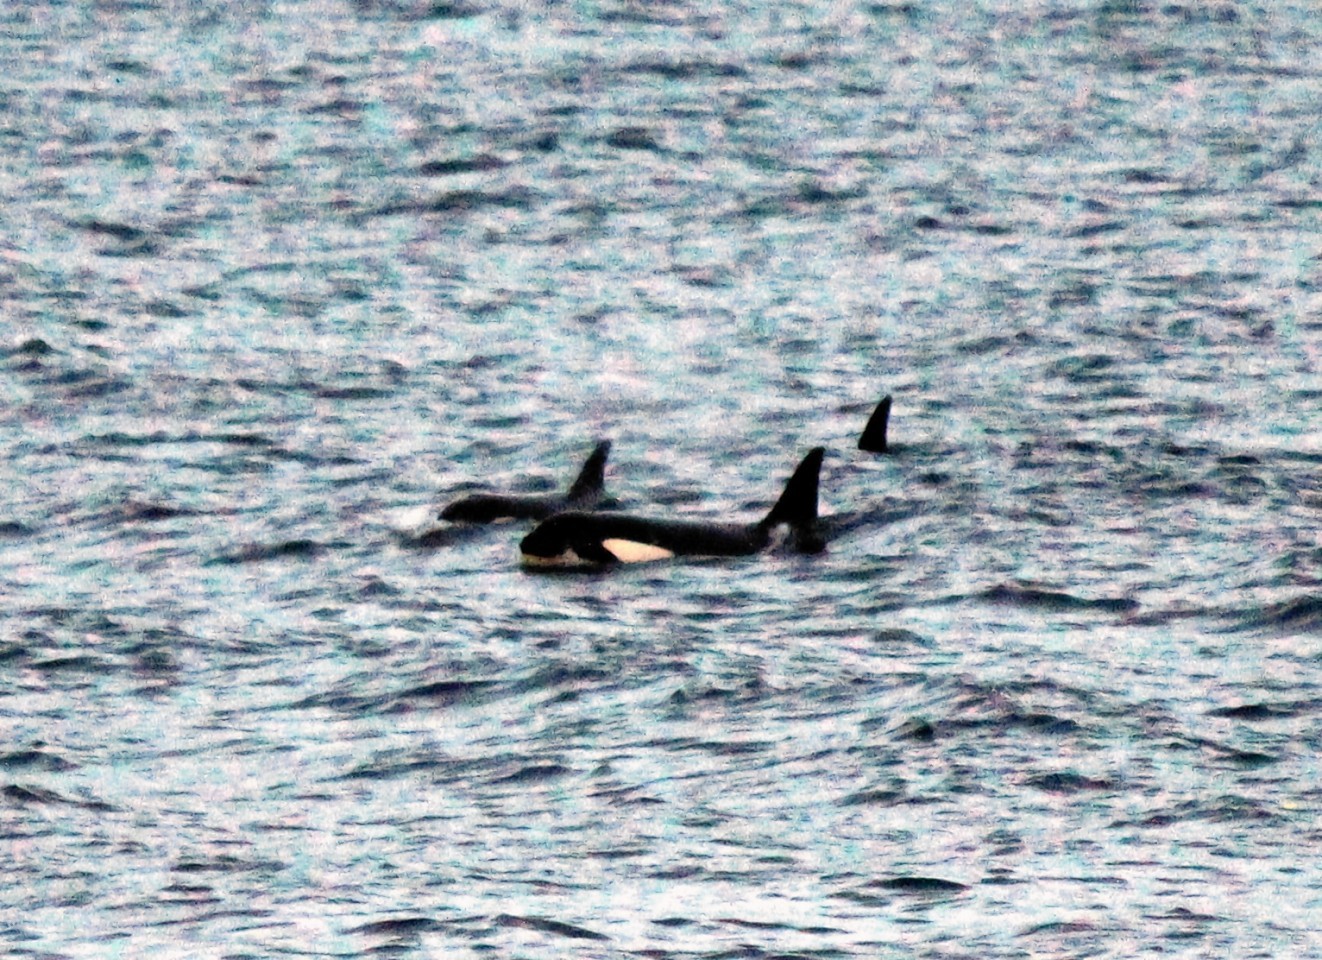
<point x="873" y="439"/>
<point x="797" y="505"/>
<point x="590" y="485"/>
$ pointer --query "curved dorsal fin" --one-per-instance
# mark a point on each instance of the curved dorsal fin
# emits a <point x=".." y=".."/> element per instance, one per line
<point x="590" y="485"/>
<point x="873" y="438"/>
<point x="797" y="505"/>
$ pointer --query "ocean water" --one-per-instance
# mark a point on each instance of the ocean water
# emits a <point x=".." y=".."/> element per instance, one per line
<point x="279" y="280"/>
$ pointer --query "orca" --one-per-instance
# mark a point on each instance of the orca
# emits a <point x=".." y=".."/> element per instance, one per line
<point x="583" y="539"/>
<point x="587" y="492"/>
<point x="873" y="438"/>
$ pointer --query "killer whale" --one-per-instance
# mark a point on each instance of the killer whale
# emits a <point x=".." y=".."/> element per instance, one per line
<point x="873" y="438"/>
<point x="587" y="492"/>
<point x="579" y="538"/>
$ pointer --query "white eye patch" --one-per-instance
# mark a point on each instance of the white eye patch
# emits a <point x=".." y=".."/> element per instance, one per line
<point x="629" y="551"/>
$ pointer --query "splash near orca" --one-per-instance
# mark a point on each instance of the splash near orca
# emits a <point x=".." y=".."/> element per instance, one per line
<point x="580" y="539"/>
<point x="873" y="438"/>
<point x="587" y="492"/>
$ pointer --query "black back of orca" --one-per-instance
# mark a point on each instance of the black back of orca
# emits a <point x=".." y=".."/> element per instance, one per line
<point x="586" y="492"/>
<point x="578" y="538"/>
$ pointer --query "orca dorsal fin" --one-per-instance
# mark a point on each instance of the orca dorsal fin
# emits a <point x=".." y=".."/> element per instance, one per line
<point x="590" y="485"/>
<point x="797" y="505"/>
<point x="873" y="438"/>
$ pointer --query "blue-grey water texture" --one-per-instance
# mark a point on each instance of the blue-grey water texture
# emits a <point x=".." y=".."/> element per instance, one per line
<point x="278" y="280"/>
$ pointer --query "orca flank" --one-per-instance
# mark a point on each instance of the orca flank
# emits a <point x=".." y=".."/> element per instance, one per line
<point x="873" y="438"/>
<point x="587" y="492"/>
<point x="578" y="538"/>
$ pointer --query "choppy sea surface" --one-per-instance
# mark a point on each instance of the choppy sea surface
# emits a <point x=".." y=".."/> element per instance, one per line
<point x="279" y="280"/>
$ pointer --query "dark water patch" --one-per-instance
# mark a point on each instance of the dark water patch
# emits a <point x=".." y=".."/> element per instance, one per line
<point x="791" y="927"/>
<point x="32" y="347"/>
<point x="1267" y="711"/>
<point x="686" y="871"/>
<point x="313" y="388"/>
<point x="154" y="662"/>
<point x="1225" y="753"/>
<point x="881" y="893"/>
<point x="619" y="853"/>
<point x="392" y="764"/>
<point x="226" y="864"/>
<point x="1185" y="915"/>
<point x="456" y="202"/>
<point x="674" y="923"/>
<point x="1248" y="759"/>
<point x="39" y="796"/>
<point x="913" y="884"/>
<point x="544" y="925"/>
<point x="880" y="797"/>
<point x="533" y="774"/>
<point x="121" y="439"/>
<point x="814" y="192"/>
<point x="1007" y="719"/>
<point x="899" y="637"/>
<point x="1058" y="927"/>
<point x="1223" y="809"/>
<point x="88" y="620"/>
<point x="299" y="549"/>
<point x="1302" y="615"/>
<point x="440" y="537"/>
<point x="633" y="138"/>
<point x="1090" y="230"/>
<point x="34" y="758"/>
<point x="727" y="748"/>
<point x="352" y="393"/>
<point x="374" y="588"/>
<point x="164" y="309"/>
<point x="447" y="10"/>
<point x="751" y="691"/>
<point x="191" y="893"/>
<point x="1162" y="618"/>
<point x="441" y="693"/>
<point x="80" y="663"/>
<point x="1076" y="295"/>
<point x="684" y="69"/>
<point x="89" y="384"/>
<point x="478" y="163"/>
<point x="1083" y="369"/>
<point x="17" y="651"/>
<point x="557" y="676"/>
<point x="808" y="195"/>
<point x="627" y="797"/>
<point x="1068" y="782"/>
<point x="140" y="511"/>
<point x="14" y="530"/>
<point x="399" y="927"/>
<point x="899" y="9"/>
<point x="1034" y="598"/>
<point x="287" y="305"/>
<point x="917" y="729"/>
<point x="123" y="232"/>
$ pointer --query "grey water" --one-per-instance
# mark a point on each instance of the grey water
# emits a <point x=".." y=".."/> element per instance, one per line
<point x="278" y="280"/>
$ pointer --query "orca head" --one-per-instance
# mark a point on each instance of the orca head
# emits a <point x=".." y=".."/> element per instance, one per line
<point x="564" y="540"/>
<point x="585" y="493"/>
<point x="480" y="508"/>
<point x="586" y="539"/>
<point x="499" y="508"/>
